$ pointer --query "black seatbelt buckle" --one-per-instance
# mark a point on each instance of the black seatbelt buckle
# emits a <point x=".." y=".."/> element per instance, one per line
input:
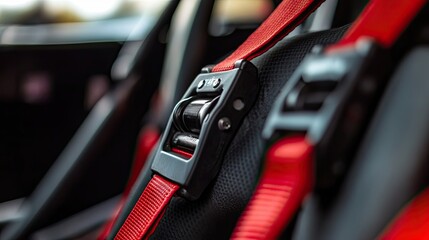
<point x="203" y="125"/>
<point x="330" y="98"/>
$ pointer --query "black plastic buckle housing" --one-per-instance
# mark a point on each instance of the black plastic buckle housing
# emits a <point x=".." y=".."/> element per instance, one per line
<point x="330" y="98"/>
<point x="232" y="93"/>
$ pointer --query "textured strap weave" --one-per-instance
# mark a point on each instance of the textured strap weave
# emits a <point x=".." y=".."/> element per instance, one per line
<point x="286" y="17"/>
<point x="286" y="180"/>
<point x="147" y="141"/>
<point x="148" y="209"/>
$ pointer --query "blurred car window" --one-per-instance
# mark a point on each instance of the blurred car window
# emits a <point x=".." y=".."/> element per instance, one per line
<point x="231" y="14"/>
<point x="60" y="11"/>
<point x="44" y="22"/>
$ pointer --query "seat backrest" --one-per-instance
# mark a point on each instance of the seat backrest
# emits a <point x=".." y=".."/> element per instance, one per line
<point x="214" y="215"/>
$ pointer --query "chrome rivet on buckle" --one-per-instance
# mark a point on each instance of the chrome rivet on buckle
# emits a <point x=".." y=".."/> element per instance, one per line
<point x="202" y="126"/>
<point x="224" y="124"/>
<point x="201" y="84"/>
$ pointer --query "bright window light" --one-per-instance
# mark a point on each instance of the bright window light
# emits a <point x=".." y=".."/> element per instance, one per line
<point x="16" y="4"/>
<point x="94" y="9"/>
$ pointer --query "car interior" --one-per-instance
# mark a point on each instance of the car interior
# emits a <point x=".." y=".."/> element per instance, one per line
<point x="213" y="119"/>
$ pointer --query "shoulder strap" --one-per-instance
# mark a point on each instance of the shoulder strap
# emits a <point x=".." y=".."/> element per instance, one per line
<point x="412" y="222"/>
<point x="383" y="21"/>
<point x="285" y="18"/>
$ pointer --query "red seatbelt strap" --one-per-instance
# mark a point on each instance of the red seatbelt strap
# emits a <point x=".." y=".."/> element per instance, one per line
<point x="288" y="15"/>
<point x="148" y="209"/>
<point x="147" y="141"/>
<point x="412" y="222"/>
<point x="285" y="181"/>
<point x="383" y="21"/>
<point x="181" y="152"/>
<point x="148" y="138"/>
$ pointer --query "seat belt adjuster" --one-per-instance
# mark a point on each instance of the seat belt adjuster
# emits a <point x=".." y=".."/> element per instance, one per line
<point x="202" y="126"/>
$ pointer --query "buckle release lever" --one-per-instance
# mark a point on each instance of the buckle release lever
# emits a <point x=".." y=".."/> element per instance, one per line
<point x="202" y="126"/>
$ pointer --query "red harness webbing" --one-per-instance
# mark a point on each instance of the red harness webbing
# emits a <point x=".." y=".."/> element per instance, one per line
<point x="148" y="210"/>
<point x="286" y="180"/>
<point x="383" y="21"/>
<point x="289" y="14"/>
<point x="412" y="222"/>
<point x="273" y="205"/>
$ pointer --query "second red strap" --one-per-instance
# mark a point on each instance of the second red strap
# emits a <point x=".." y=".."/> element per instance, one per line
<point x="285" y="181"/>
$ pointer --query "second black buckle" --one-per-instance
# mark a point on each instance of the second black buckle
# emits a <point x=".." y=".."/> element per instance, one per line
<point x="330" y="98"/>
